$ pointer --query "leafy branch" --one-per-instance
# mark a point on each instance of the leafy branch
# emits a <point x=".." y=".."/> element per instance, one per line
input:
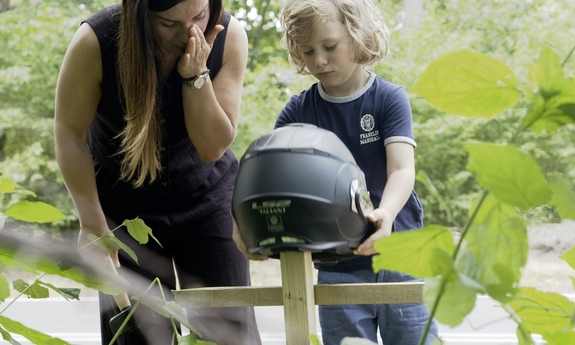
<point x="492" y="247"/>
<point x="17" y="253"/>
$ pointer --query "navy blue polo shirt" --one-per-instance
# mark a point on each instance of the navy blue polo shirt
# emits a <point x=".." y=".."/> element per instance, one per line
<point x="376" y="115"/>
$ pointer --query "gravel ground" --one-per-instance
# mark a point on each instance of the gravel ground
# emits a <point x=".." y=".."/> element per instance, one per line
<point x="544" y="270"/>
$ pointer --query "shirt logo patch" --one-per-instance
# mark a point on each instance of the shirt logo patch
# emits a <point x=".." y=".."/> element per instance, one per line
<point x="368" y="124"/>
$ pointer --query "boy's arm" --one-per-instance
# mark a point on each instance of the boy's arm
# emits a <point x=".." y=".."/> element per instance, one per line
<point x="288" y="114"/>
<point x="400" y="182"/>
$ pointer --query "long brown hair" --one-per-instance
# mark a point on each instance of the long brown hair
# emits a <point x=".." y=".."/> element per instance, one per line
<point x="141" y="84"/>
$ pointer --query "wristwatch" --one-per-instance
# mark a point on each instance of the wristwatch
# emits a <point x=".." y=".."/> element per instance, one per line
<point x="198" y="81"/>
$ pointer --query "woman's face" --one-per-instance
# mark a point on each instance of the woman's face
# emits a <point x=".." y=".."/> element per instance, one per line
<point x="171" y="27"/>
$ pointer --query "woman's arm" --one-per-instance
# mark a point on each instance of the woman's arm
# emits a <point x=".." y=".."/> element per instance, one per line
<point x="77" y="96"/>
<point x="398" y="188"/>
<point x="212" y="112"/>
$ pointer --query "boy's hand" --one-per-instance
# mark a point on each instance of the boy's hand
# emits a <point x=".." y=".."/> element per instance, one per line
<point x="237" y="236"/>
<point x="382" y="223"/>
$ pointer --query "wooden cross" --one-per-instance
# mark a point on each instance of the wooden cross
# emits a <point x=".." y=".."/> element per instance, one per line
<point x="298" y="295"/>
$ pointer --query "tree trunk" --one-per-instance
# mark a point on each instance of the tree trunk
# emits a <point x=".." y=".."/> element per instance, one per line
<point x="4" y="5"/>
<point x="257" y="37"/>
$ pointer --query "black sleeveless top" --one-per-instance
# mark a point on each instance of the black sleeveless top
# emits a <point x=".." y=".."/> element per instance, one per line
<point x="183" y="172"/>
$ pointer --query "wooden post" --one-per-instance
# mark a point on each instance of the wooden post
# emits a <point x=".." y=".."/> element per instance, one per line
<point x="298" y="295"/>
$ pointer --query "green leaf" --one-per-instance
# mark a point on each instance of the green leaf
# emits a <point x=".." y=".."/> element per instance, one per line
<point x="457" y="298"/>
<point x="6" y="185"/>
<point x="513" y="177"/>
<point x="139" y="230"/>
<point x="491" y="206"/>
<point x="569" y="257"/>
<point x="560" y="338"/>
<point x="504" y="288"/>
<point x="189" y="339"/>
<point x="314" y="339"/>
<point x="67" y="293"/>
<point x="108" y="283"/>
<point x="411" y="251"/>
<point x="563" y="197"/>
<point x="497" y="237"/>
<point x="167" y="309"/>
<point x="547" y="74"/>
<point x="33" y="291"/>
<point x="4" y="287"/>
<point x="543" y="312"/>
<point x="550" y="114"/>
<point x="111" y="243"/>
<point x="28" y="333"/>
<point x="535" y="111"/>
<point x="468" y="83"/>
<point x="34" y="212"/>
<point x="553" y="104"/>
<point x="524" y="336"/>
<point x="8" y="337"/>
<point x="107" y="242"/>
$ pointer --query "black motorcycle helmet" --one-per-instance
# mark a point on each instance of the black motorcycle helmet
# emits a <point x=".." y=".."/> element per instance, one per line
<point x="299" y="188"/>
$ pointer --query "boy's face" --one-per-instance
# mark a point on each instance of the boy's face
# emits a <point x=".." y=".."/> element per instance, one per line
<point x="328" y="55"/>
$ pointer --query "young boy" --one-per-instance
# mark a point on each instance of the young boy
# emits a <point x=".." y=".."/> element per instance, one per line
<point x="334" y="40"/>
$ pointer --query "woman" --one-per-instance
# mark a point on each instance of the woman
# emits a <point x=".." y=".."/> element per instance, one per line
<point x="147" y="106"/>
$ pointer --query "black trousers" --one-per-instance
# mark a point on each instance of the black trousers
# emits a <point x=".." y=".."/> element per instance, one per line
<point x="196" y="236"/>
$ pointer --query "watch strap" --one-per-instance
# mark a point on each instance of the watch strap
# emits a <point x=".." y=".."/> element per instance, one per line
<point x="190" y="81"/>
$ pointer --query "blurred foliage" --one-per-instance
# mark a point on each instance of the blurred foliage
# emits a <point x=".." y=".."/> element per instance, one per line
<point x="513" y="32"/>
<point x="260" y="19"/>
<point x="34" y="35"/>
<point x="491" y="249"/>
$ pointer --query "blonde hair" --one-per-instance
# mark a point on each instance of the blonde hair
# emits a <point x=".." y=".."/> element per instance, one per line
<point x="301" y="19"/>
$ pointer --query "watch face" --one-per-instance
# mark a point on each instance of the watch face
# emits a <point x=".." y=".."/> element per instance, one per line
<point x="199" y="83"/>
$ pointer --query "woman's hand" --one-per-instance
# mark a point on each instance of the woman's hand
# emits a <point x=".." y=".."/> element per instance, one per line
<point x="199" y="47"/>
<point x="94" y="253"/>
<point x="237" y="236"/>
<point x="383" y="224"/>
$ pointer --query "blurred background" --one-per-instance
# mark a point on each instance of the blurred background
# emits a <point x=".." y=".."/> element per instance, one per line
<point x="34" y="35"/>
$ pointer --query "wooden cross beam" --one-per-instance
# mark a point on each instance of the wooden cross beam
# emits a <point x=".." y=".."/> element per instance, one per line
<point x="298" y="295"/>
